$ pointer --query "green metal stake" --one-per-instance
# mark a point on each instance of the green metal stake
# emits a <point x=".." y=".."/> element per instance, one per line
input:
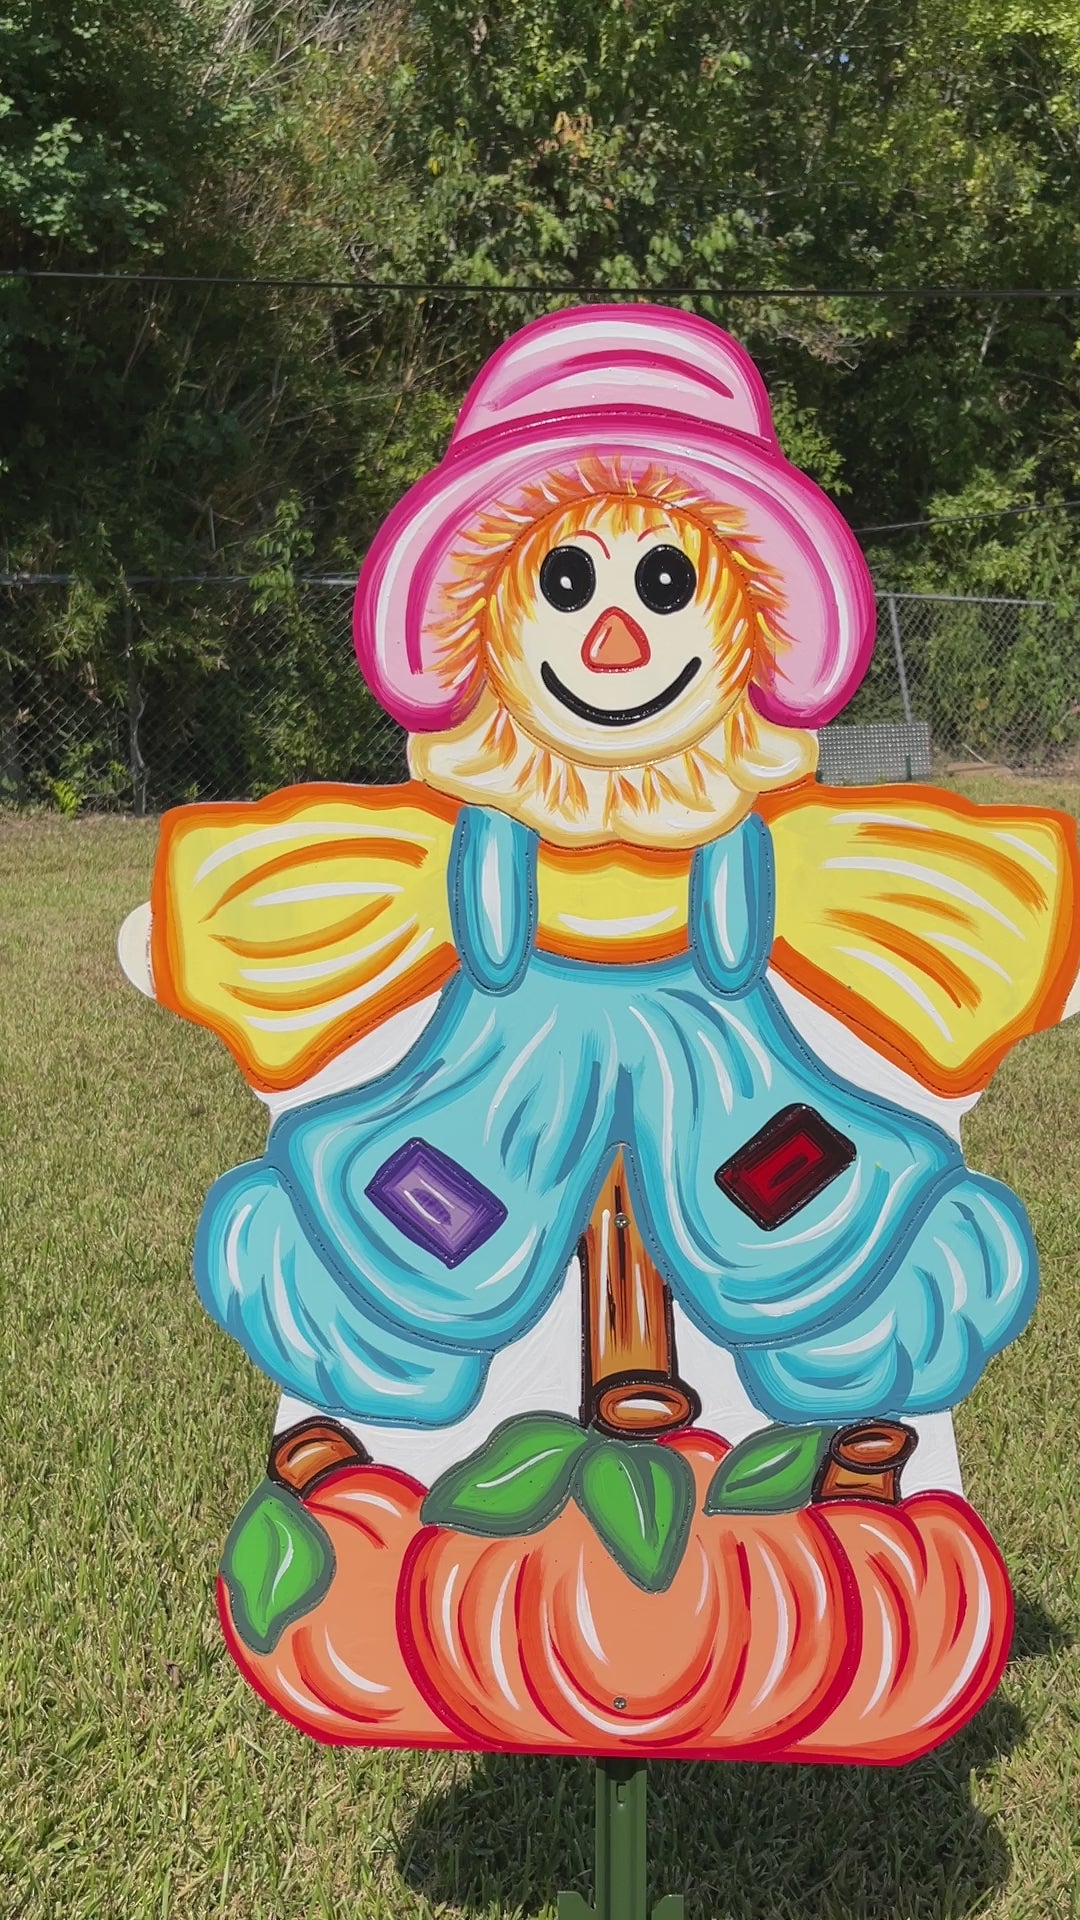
<point x="621" y="1796"/>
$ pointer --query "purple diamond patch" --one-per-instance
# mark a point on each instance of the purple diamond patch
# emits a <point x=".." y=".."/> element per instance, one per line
<point x="434" y="1202"/>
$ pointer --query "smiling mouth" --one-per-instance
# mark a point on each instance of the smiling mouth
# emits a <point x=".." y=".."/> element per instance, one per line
<point x="617" y="716"/>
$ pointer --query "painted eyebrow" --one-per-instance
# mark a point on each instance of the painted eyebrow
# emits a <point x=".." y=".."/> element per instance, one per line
<point x="584" y="534"/>
<point x="648" y="533"/>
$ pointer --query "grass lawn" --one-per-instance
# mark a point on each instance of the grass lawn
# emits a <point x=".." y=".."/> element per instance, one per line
<point x="140" y="1778"/>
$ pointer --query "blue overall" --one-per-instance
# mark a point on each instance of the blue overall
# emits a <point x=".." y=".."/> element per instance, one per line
<point x="886" y="1292"/>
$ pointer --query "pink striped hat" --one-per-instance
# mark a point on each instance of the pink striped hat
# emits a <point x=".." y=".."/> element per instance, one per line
<point x="645" y="386"/>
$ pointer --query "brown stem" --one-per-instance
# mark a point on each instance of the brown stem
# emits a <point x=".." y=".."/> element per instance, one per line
<point x="864" y="1462"/>
<point x="631" y="1385"/>
<point x="303" y="1455"/>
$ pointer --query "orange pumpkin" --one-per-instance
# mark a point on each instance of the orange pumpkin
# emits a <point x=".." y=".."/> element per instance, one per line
<point x="543" y="1642"/>
<point x="338" y="1672"/>
<point x="936" y="1616"/>
<point x="853" y="1630"/>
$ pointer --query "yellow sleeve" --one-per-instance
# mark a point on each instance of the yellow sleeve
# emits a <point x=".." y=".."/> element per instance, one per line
<point x="293" y="925"/>
<point x="940" y="930"/>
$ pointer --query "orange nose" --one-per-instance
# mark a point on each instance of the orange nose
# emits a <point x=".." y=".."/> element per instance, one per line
<point x="615" y="642"/>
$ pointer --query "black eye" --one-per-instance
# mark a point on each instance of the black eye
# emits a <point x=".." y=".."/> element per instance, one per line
<point x="567" y="579"/>
<point x="665" y="579"/>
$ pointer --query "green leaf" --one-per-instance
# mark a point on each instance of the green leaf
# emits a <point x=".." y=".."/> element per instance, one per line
<point x="277" y="1564"/>
<point x="640" y="1499"/>
<point x="770" y="1472"/>
<point x="515" y="1483"/>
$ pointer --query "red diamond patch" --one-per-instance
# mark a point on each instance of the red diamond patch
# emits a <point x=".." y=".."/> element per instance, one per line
<point x="785" y="1165"/>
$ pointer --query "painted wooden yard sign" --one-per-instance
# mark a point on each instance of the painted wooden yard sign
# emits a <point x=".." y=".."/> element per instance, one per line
<point x="613" y="1247"/>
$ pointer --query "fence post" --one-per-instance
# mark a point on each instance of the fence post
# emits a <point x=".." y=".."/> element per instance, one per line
<point x="136" y="705"/>
<point x="901" y="670"/>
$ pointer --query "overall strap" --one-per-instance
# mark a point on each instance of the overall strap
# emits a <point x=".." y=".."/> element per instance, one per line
<point x="493" y="896"/>
<point x="732" y="899"/>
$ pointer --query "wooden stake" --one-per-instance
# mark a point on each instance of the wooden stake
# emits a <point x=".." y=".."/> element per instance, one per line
<point x="631" y="1384"/>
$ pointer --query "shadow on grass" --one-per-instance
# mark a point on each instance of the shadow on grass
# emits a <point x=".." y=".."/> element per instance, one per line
<point x="1035" y="1633"/>
<point x="743" y="1842"/>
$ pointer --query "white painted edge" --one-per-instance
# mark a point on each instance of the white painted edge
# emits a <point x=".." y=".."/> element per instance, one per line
<point x="133" y="950"/>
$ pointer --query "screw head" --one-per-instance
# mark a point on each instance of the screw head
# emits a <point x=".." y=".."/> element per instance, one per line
<point x="619" y="1702"/>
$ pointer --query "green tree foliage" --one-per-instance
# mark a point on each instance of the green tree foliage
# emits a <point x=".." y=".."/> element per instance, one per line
<point x="614" y="144"/>
<point x="630" y="143"/>
<point x="154" y="428"/>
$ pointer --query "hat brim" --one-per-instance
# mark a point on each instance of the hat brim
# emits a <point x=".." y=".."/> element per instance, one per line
<point x="828" y="618"/>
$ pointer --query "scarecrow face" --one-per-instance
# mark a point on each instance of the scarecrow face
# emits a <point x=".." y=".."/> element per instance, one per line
<point x="628" y="640"/>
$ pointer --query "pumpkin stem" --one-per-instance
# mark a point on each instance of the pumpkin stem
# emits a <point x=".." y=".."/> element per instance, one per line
<point x="864" y="1462"/>
<point x="630" y="1380"/>
<point x="303" y="1455"/>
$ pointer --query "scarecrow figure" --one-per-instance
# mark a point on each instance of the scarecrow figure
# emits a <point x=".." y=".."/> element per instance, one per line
<point x="610" y="620"/>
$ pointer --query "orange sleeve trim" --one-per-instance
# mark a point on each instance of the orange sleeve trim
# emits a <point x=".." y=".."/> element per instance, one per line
<point x="604" y="952"/>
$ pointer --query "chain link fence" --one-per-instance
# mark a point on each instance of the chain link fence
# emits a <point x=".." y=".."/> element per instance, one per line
<point x="218" y="688"/>
<point x="994" y="679"/>
<point x="180" y="690"/>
